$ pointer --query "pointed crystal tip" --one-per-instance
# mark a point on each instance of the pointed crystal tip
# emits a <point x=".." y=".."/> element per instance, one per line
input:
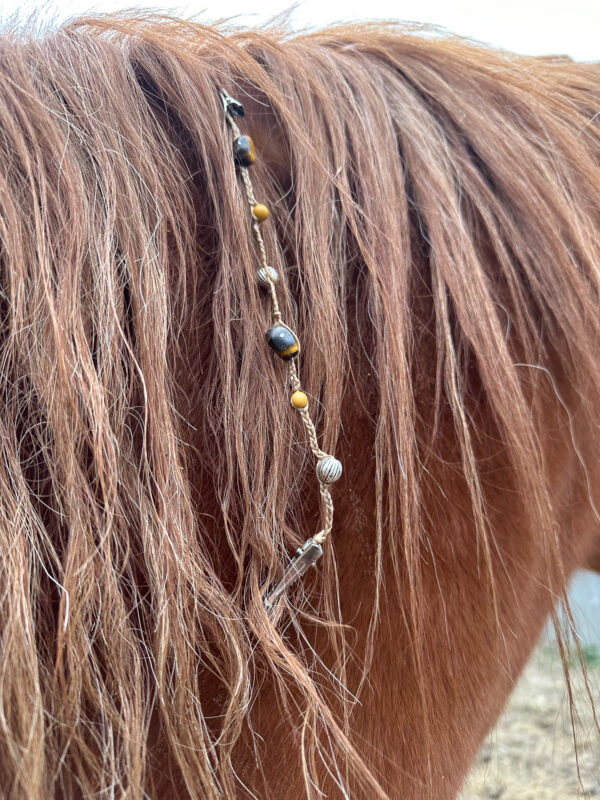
<point x="306" y="556"/>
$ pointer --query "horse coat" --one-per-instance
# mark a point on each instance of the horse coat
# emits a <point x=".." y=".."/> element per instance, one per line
<point x="435" y="224"/>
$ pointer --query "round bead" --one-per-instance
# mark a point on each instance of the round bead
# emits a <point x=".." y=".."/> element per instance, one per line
<point x="264" y="273"/>
<point x="299" y="400"/>
<point x="329" y="469"/>
<point x="283" y="341"/>
<point x="243" y="151"/>
<point x="260" y="212"/>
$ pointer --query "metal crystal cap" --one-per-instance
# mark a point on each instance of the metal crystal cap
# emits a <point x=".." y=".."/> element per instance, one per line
<point x="231" y="105"/>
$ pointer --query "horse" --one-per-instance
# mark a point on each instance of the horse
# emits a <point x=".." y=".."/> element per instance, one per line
<point x="435" y="224"/>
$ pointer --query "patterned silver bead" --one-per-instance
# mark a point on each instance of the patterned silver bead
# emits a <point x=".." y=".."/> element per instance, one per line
<point x="262" y="276"/>
<point x="329" y="469"/>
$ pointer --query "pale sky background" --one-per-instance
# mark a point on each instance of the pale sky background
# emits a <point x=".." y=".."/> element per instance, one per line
<point x="535" y="27"/>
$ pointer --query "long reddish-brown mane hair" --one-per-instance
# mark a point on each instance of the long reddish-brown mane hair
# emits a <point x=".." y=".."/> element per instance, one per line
<point x="435" y="221"/>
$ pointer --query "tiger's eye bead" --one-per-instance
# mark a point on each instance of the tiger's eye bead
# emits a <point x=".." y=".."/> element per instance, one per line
<point x="299" y="400"/>
<point x="283" y="341"/>
<point x="264" y="273"/>
<point x="260" y="212"/>
<point x="243" y="151"/>
<point x="329" y="469"/>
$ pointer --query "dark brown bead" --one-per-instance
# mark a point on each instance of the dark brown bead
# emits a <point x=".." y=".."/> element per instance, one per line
<point x="243" y="151"/>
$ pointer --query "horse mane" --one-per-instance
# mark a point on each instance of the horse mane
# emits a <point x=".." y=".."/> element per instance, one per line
<point x="435" y="217"/>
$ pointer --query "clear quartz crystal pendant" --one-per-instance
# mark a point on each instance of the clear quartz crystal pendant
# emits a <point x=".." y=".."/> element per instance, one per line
<point x="306" y="557"/>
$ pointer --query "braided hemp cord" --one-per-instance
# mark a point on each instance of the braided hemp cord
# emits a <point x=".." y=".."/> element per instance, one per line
<point x="230" y="107"/>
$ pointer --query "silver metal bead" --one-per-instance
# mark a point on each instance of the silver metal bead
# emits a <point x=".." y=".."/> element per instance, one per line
<point x="329" y="469"/>
<point x="262" y="276"/>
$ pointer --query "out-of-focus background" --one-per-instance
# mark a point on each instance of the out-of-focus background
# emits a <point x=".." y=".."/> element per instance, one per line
<point x="530" y="755"/>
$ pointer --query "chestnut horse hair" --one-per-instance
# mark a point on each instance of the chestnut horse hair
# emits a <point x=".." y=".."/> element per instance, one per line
<point x="435" y="221"/>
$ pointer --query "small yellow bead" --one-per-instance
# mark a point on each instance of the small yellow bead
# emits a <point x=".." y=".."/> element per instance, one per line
<point x="260" y="212"/>
<point x="299" y="400"/>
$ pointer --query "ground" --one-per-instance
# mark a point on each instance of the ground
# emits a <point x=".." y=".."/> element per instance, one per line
<point x="530" y="754"/>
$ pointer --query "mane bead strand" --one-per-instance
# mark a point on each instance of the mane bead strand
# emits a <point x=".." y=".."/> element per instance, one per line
<point x="284" y="342"/>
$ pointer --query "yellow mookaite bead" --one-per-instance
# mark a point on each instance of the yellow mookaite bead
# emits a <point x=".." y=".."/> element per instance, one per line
<point x="299" y="400"/>
<point x="260" y="212"/>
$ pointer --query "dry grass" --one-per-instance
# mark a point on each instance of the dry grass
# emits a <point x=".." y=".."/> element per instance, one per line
<point x="530" y="754"/>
